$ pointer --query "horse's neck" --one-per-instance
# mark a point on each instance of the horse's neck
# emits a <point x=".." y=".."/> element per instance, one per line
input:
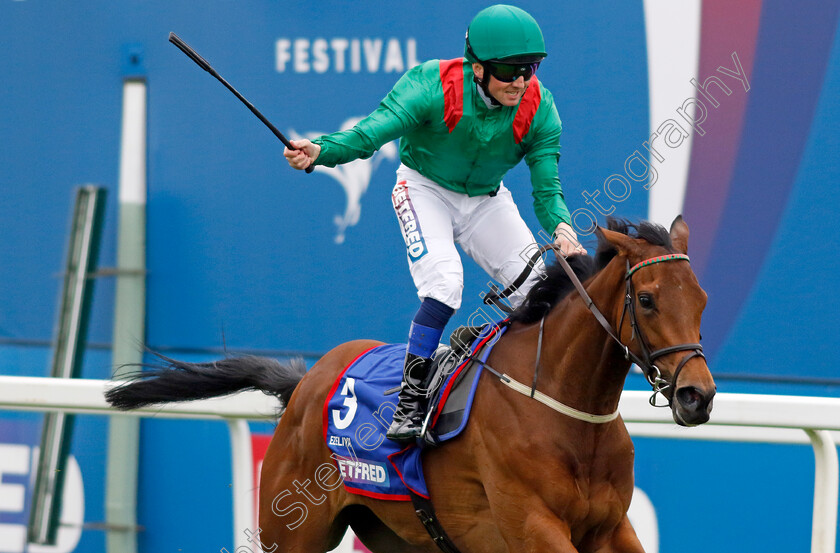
<point x="581" y="364"/>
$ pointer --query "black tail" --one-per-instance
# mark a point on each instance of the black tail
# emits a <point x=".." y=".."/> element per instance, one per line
<point x="174" y="380"/>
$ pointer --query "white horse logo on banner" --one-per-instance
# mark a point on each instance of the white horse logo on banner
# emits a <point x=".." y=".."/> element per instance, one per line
<point x="354" y="178"/>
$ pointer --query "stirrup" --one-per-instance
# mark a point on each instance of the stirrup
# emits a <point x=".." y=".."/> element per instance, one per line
<point x="427" y="435"/>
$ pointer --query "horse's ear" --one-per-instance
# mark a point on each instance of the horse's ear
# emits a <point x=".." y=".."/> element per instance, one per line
<point x="679" y="234"/>
<point x="625" y="245"/>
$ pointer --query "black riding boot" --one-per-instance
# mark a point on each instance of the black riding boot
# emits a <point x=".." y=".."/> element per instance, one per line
<point x="408" y="418"/>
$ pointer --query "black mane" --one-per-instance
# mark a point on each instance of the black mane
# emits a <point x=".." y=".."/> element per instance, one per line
<point x="556" y="285"/>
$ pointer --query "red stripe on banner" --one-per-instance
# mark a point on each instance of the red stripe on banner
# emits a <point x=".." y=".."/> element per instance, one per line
<point x="259" y="447"/>
<point x="452" y="81"/>
<point x="335" y="386"/>
<point x="527" y="109"/>
<point x="726" y="27"/>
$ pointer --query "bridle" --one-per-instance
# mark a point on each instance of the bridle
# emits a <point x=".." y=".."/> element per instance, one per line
<point x="646" y="362"/>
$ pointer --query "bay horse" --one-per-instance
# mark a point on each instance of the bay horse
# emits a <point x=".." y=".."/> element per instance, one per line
<point x="521" y="477"/>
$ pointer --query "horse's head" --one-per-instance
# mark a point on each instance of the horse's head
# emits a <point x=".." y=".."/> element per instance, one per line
<point x="659" y="319"/>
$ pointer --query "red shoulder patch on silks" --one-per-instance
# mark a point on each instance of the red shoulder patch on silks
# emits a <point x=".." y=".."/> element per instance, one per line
<point x="527" y="109"/>
<point x="452" y="81"/>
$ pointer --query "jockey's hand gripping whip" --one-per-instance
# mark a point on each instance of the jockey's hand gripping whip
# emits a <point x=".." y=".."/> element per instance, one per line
<point x="185" y="48"/>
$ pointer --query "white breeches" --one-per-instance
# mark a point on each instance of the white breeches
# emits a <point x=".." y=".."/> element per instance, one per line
<point x="488" y="228"/>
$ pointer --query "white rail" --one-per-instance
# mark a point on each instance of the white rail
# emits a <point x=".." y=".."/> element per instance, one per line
<point x="21" y="393"/>
<point x="736" y="417"/>
<point x="762" y="418"/>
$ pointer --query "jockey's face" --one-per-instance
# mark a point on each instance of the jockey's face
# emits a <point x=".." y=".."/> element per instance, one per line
<point x="507" y="94"/>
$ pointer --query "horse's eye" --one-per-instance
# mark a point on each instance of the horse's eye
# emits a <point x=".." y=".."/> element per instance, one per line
<point x="646" y="301"/>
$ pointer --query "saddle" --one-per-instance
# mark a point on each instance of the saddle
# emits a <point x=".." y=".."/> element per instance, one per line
<point x="446" y="417"/>
<point x="445" y="361"/>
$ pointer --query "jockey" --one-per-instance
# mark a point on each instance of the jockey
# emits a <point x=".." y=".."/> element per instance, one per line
<point x="462" y="125"/>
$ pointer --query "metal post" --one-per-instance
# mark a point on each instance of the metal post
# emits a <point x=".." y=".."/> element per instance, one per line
<point x="76" y="298"/>
<point x="129" y="309"/>
<point x="243" y="481"/>
<point x="824" y="529"/>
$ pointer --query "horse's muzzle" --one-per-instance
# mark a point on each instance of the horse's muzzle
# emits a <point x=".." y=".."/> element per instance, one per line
<point x="692" y="405"/>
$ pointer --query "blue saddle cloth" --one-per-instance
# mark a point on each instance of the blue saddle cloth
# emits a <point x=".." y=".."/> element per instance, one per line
<point x="357" y="413"/>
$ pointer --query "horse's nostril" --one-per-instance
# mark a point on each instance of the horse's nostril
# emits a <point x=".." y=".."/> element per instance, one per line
<point x="693" y="406"/>
<point x="689" y="397"/>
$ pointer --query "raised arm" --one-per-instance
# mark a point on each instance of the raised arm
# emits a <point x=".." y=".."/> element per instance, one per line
<point x="404" y="108"/>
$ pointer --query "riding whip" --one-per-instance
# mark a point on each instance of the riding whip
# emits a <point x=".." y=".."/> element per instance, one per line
<point x="185" y="48"/>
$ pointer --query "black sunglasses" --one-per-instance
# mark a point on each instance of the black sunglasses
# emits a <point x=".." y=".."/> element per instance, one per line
<point x="509" y="72"/>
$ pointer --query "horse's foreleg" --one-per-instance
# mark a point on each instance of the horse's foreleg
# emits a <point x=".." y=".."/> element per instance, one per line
<point x="527" y="524"/>
<point x="542" y="532"/>
<point x="622" y="540"/>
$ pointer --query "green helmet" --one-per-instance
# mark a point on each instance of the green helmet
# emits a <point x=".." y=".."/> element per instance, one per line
<point x="506" y="33"/>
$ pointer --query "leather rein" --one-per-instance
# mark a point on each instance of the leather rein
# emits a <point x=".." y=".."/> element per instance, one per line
<point x="646" y="362"/>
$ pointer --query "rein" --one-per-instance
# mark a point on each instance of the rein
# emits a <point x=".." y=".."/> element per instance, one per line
<point x="532" y="391"/>
<point x="646" y="362"/>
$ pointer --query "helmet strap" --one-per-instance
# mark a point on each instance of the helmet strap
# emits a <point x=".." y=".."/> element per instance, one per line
<point x="482" y="85"/>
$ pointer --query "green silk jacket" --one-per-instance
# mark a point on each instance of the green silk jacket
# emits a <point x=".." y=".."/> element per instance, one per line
<point x="448" y="134"/>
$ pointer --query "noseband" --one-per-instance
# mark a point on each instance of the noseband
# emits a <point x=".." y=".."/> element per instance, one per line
<point x="646" y="362"/>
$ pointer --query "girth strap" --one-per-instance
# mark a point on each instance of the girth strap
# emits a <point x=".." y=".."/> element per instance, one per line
<point x="426" y="513"/>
